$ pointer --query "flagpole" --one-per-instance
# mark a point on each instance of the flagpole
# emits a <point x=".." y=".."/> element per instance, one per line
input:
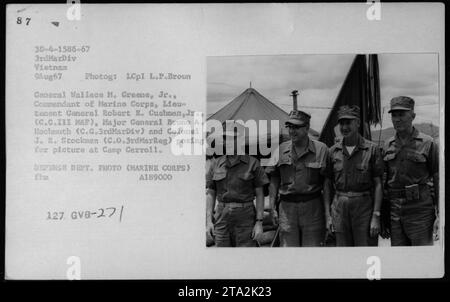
<point x="381" y="126"/>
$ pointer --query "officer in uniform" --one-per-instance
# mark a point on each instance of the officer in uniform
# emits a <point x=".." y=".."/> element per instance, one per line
<point x="411" y="160"/>
<point x="357" y="170"/>
<point x="298" y="175"/>
<point x="235" y="180"/>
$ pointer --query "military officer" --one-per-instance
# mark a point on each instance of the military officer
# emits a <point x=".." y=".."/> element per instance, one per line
<point x="235" y="180"/>
<point x="357" y="170"/>
<point x="298" y="176"/>
<point x="411" y="160"/>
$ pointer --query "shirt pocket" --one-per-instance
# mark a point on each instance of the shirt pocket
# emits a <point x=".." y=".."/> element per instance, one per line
<point x="416" y="163"/>
<point x="287" y="174"/>
<point x="287" y="170"/>
<point x="416" y="157"/>
<point x="338" y="168"/>
<point x="219" y="175"/>
<point x="389" y="160"/>
<point x="246" y="177"/>
<point x="219" y="178"/>
<point x="313" y="172"/>
<point x="338" y="165"/>
<point x="338" y="171"/>
<point x="362" y="174"/>
<point x="245" y="186"/>
<point x="389" y="156"/>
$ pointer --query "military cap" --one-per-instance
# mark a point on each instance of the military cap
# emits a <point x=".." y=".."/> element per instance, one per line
<point x="348" y="112"/>
<point x="402" y="103"/>
<point x="297" y="117"/>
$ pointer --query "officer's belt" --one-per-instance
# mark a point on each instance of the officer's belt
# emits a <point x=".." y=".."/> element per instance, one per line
<point x="401" y="193"/>
<point x="300" y="197"/>
<point x="237" y="204"/>
<point x="352" y="193"/>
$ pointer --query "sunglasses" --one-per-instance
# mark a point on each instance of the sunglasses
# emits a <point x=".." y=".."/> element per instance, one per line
<point x="291" y="126"/>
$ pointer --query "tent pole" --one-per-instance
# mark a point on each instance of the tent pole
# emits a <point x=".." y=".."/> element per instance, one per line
<point x="294" y="97"/>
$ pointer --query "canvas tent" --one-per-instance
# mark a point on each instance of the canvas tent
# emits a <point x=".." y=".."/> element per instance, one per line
<point x="251" y="105"/>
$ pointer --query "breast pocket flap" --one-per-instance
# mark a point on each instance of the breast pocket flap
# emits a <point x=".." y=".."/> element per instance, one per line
<point x="219" y="175"/>
<point x="416" y="157"/>
<point x="246" y="176"/>
<point x="313" y="165"/>
<point x="389" y="156"/>
<point x="361" y="167"/>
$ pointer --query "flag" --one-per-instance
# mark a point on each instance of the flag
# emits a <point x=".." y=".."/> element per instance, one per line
<point x="374" y="103"/>
<point x="361" y="88"/>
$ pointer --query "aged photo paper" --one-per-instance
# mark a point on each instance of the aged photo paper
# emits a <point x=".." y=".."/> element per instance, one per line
<point x="106" y="109"/>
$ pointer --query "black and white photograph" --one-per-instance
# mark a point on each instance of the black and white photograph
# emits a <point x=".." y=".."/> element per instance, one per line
<point x="357" y="160"/>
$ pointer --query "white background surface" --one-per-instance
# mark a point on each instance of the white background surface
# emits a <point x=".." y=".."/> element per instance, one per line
<point x="162" y="232"/>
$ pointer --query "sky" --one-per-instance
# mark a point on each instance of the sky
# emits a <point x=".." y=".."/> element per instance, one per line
<point x="319" y="79"/>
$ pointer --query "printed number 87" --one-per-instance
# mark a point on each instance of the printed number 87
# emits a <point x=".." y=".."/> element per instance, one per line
<point x="19" y="20"/>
